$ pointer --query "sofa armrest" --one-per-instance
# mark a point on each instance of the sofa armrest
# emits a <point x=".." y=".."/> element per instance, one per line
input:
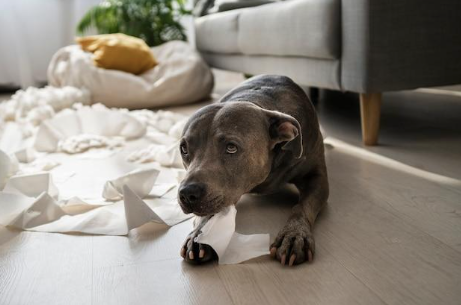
<point x="395" y="45"/>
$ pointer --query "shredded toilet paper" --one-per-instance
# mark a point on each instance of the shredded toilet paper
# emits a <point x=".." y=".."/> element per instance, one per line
<point x="82" y="142"/>
<point x="31" y="202"/>
<point x="168" y="156"/>
<point x="230" y="246"/>
<point x="77" y="130"/>
<point x="69" y="167"/>
<point x="32" y="185"/>
<point x="25" y="155"/>
<point x="164" y="121"/>
<point x="35" y="105"/>
<point x="8" y="167"/>
<point x="140" y="182"/>
<point x="43" y="164"/>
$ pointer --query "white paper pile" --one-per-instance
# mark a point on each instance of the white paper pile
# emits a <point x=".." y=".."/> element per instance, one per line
<point x="36" y="105"/>
<point x="75" y="131"/>
<point x="32" y="202"/>
<point x="96" y="170"/>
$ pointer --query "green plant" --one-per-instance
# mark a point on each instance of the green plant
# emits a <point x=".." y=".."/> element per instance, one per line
<point x="154" y="21"/>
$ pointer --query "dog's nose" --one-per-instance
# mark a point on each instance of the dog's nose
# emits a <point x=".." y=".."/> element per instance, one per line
<point x="192" y="193"/>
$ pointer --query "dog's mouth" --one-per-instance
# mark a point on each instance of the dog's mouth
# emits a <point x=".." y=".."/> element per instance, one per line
<point x="205" y="207"/>
<point x="202" y="214"/>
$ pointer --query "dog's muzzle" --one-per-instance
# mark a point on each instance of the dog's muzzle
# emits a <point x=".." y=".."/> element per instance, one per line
<point x="190" y="195"/>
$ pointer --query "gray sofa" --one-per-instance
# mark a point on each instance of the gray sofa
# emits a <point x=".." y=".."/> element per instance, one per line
<point x="363" y="46"/>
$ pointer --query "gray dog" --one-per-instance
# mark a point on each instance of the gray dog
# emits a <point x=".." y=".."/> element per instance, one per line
<point x="260" y="136"/>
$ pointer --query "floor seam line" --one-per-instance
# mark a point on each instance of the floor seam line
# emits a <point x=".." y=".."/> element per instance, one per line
<point x="403" y="220"/>
<point x="356" y="277"/>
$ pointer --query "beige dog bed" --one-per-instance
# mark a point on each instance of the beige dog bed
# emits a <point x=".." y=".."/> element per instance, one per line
<point x="181" y="77"/>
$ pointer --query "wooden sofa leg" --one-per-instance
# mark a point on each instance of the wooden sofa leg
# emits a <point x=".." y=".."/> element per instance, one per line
<point x="370" y="112"/>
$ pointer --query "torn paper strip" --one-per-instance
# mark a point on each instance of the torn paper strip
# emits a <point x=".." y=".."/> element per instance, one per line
<point x="39" y="165"/>
<point x="139" y="181"/>
<point x="80" y="124"/>
<point x="42" y="211"/>
<point x="44" y="214"/>
<point x="89" y="176"/>
<point x="83" y="142"/>
<point x="12" y="137"/>
<point x="95" y="190"/>
<point x="166" y="122"/>
<point x="29" y="202"/>
<point x="167" y="156"/>
<point x="32" y="185"/>
<point x="136" y="211"/>
<point x="168" y="209"/>
<point x="25" y="155"/>
<point x="230" y="246"/>
<point x="8" y="167"/>
<point x="37" y="104"/>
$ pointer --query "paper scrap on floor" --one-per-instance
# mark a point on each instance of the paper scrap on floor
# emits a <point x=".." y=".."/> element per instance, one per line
<point x="69" y="167"/>
<point x="230" y="246"/>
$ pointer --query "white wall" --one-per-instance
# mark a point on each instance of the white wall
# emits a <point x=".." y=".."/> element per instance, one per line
<point x="31" y="31"/>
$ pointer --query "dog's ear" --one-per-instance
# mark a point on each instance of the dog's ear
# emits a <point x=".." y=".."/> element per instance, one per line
<point x="285" y="128"/>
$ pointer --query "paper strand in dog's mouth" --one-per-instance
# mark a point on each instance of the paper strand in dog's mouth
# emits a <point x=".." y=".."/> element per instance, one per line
<point x="230" y="246"/>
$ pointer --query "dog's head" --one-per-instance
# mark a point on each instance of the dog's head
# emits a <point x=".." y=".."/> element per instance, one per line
<point x="228" y="149"/>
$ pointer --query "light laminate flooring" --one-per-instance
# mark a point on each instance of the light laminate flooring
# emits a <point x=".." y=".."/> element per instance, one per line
<point x="391" y="233"/>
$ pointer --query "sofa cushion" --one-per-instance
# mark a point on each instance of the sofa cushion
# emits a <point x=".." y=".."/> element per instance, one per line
<point x="218" y="32"/>
<point x="306" y="28"/>
<point x="298" y="28"/>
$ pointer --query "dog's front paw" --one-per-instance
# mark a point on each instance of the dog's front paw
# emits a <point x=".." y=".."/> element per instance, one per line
<point x="294" y="242"/>
<point x="196" y="253"/>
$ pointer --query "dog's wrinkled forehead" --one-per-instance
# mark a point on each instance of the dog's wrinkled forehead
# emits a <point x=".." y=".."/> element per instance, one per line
<point x="237" y="118"/>
<point x="230" y="117"/>
<point x="200" y="120"/>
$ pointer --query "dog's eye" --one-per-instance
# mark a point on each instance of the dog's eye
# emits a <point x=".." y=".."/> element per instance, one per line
<point x="231" y="149"/>
<point x="183" y="149"/>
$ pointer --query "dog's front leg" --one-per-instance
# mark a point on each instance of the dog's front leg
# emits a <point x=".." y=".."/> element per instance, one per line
<point x="295" y="241"/>
<point x="193" y="252"/>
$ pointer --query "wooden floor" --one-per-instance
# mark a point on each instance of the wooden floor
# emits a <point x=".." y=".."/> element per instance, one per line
<point x="391" y="233"/>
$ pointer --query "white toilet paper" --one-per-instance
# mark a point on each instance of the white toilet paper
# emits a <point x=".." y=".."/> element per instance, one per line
<point x="230" y="246"/>
<point x="98" y="192"/>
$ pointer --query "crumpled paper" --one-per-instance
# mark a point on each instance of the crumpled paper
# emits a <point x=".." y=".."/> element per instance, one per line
<point x="34" y="105"/>
<point x="97" y="191"/>
<point x="13" y="137"/>
<point x="167" y="156"/>
<point x="25" y="155"/>
<point x="139" y="182"/>
<point x="166" y="122"/>
<point x="32" y="185"/>
<point x="8" y="167"/>
<point x="30" y="202"/>
<point x="95" y="120"/>
<point x="230" y="246"/>
<point x="83" y="142"/>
